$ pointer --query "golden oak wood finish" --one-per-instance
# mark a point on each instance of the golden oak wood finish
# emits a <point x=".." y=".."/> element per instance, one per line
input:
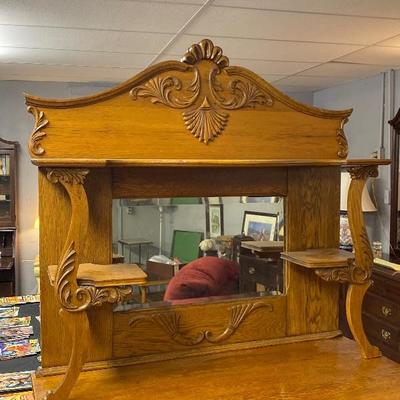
<point x="191" y="128"/>
<point x="179" y="328"/>
<point x="102" y="275"/>
<point x="54" y="212"/>
<point x="160" y="110"/>
<point x="319" y="370"/>
<point x="319" y="258"/>
<point x="311" y="220"/>
<point x="166" y="182"/>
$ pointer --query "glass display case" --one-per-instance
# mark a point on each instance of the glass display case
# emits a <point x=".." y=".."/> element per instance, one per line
<point x="8" y="152"/>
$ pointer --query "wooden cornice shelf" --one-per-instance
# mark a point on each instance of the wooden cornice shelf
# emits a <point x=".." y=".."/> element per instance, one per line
<point x="100" y="275"/>
<point x="319" y="258"/>
<point x="363" y="162"/>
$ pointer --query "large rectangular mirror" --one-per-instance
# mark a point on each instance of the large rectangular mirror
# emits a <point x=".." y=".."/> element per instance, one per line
<point x="201" y="249"/>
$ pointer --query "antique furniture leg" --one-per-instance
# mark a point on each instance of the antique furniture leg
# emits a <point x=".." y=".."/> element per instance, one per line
<point x="74" y="300"/>
<point x="360" y="270"/>
<point x="78" y="323"/>
<point x="354" y="299"/>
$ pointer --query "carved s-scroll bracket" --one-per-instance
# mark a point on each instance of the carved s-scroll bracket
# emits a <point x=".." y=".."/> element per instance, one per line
<point x="35" y="140"/>
<point x="362" y="248"/>
<point x="205" y="100"/>
<point x="71" y="297"/>
<point x="170" y="323"/>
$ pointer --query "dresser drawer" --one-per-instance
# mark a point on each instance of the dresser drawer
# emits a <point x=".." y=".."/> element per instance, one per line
<point x="255" y="270"/>
<point x="381" y="331"/>
<point x="385" y="287"/>
<point x="382" y="308"/>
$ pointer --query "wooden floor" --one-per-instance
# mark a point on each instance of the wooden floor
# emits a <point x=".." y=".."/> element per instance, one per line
<point x="329" y="369"/>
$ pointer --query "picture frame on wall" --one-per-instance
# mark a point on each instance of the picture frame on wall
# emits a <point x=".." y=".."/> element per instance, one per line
<point x="260" y="226"/>
<point x="214" y="220"/>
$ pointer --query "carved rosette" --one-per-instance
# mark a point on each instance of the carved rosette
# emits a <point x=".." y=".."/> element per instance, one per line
<point x="364" y="172"/>
<point x="73" y="176"/>
<point x="35" y="146"/>
<point x="342" y="141"/>
<point x="170" y="323"/>
<point x="204" y="99"/>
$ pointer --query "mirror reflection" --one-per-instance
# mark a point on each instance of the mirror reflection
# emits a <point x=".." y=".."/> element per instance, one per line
<point x="197" y="249"/>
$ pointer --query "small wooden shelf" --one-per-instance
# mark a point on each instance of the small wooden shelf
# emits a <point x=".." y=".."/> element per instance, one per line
<point x="100" y="275"/>
<point x="319" y="258"/>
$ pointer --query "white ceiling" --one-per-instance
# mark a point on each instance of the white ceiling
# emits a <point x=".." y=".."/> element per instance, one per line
<point x="299" y="45"/>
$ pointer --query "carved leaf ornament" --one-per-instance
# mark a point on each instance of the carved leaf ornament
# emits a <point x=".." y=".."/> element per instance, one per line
<point x="206" y="116"/>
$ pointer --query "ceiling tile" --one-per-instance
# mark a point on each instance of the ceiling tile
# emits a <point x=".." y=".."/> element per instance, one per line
<point x="382" y="8"/>
<point x="67" y="57"/>
<point x="389" y="56"/>
<point x="310" y="82"/>
<point x="236" y="22"/>
<point x="346" y="70"/>
<point x="391" y="42"/>
<point x="267" y="49"/>
<point x="101" y="14"/>
<point x="272" y="67"/>
<point x="62" y="73"/>
<point x="82" y="39"/>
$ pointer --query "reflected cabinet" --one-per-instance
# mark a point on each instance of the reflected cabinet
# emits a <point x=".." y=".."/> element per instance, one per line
<point x="8" y="154"/>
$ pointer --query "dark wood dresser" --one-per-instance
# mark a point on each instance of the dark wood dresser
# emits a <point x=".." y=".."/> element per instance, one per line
<point x="381" y="311"/>
<point x="261" y="267"/>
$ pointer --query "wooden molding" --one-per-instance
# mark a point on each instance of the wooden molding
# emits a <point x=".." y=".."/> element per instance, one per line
<point x="170" y="323"/>
<point x="342" y="141"/>
<point x="72" y="176"/>
<point x="35" y="145"/>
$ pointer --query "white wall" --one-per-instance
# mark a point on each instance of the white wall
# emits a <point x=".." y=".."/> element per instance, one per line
<point x="363" y="132"/>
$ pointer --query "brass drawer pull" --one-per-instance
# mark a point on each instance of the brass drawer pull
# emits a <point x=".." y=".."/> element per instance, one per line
<point x="386" y="311"/>
<point x="385" y="335"/>
<point x="252" y="270"/>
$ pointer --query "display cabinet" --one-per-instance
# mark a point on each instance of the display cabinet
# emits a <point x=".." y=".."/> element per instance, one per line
<point x="8" y="152"/>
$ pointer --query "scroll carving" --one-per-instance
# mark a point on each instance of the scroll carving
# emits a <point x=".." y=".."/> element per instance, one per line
<point x="342" y="141"/>
<point x="237" y="315"/>
<point x="365" y="172"/>
<point x="350" y="274"/>
<point x="72" y="176"/>
<point x="170" y="323"/>
<point x="84" y="296"/>
<point x="35" y="146"/>
<point x="205" y="117"/>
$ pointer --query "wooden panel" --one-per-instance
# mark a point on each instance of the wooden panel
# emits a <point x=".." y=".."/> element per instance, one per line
<point x="319" y="370"/>
<point x="166" y="182"/>
<point x="55" y="212"/>
<point x="147" y="336"/>
<point x="312" y="218"/>
<point x="198" y="109"/>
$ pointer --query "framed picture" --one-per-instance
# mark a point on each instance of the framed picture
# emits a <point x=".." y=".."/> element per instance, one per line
<point x="214" y="220"/>
<point x="260" y="226"/>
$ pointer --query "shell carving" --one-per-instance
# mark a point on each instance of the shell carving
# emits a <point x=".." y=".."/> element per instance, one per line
<point x="205" y="123"/>
<point x="210" y="100"/>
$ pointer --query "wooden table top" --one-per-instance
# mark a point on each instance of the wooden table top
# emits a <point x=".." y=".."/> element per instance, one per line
<point x="135" y="241"/>
<point x="106" y="275"/>
<point x="263" y="245"/>
<point x="329" y="369"/>
<point x="319" y="258"/>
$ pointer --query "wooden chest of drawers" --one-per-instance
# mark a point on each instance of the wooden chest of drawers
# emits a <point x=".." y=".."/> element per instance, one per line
<point x="381" y="312"/>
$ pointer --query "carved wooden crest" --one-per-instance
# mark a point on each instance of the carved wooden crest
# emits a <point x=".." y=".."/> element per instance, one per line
<point x="205" y="100"/>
